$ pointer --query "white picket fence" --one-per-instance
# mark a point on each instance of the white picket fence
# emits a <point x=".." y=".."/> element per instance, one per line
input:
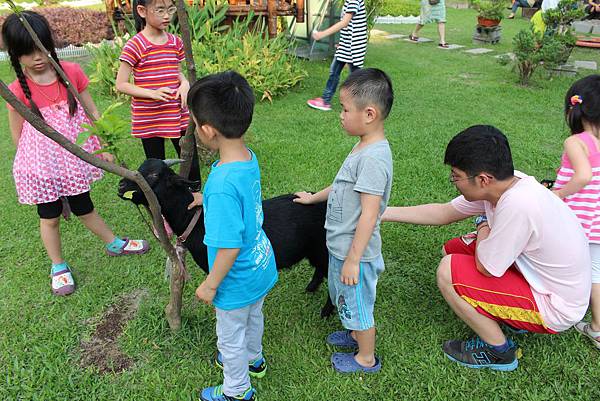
<point x="66" y="52"/>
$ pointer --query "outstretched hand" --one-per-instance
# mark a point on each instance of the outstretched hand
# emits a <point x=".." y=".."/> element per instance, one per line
<point x="303" y="197"/>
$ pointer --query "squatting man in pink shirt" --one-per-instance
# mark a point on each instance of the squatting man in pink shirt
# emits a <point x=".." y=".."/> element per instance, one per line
<point x="527" y="266"/>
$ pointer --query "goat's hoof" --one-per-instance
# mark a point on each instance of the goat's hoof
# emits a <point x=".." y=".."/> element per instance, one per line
<point x="327" y="311"/>
<point x="312" y="287"/>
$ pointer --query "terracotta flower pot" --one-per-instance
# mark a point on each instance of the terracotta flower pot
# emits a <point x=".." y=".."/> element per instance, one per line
<point x="487" y="22"/>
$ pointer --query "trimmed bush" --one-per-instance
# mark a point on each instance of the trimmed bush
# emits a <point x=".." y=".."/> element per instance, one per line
<point x="75" y="26"/>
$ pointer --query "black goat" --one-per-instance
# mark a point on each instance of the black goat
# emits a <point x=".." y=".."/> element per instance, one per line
<point x="296" y="231"/>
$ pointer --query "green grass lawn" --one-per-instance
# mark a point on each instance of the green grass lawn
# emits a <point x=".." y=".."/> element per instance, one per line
<point x="438" y="93"/>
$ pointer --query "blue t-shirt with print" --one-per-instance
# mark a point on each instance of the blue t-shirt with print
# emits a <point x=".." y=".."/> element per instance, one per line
<point x="233" y="218"/>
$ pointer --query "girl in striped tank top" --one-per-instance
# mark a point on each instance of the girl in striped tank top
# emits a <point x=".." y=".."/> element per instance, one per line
<point x="578" y="179"/>
<point x="159" y="89"/>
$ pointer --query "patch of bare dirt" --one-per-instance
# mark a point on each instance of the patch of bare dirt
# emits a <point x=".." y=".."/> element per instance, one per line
<point x="102" y="349"/>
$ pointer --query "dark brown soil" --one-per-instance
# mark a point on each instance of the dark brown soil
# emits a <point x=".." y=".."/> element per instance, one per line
<point x="102" y="350"/>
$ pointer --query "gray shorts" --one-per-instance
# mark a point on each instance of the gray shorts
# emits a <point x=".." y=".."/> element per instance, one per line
<point x="355" y="302"/>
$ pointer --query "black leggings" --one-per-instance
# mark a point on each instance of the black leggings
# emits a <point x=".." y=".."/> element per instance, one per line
<point x="154" y="148"/>
<point x="80" y="206"/>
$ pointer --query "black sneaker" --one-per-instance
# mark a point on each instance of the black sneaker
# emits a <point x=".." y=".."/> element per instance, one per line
<point x="257" y="369"/>
<point x="477" y="354"/>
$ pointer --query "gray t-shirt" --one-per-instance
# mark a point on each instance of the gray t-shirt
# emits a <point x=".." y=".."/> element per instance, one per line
<point x="368" y="171"/>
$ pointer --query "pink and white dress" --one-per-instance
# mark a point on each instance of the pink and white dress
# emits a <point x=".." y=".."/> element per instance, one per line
<point x="42" y="169"/>
<point x="585" y="203"/>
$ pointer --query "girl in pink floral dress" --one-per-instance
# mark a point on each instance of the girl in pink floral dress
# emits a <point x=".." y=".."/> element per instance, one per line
<point x="45" y="174"/>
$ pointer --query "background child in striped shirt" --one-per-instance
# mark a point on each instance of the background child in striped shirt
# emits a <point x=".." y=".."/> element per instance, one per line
<point x="159" y="89"/>
<point x="578" y="179"/>
<point x="351" y="49"/>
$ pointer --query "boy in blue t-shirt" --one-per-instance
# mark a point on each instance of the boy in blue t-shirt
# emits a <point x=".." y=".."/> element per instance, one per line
<point x="240" y="256"/>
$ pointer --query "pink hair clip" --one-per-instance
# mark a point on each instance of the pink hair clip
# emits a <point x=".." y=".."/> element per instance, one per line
<point x="576" y="99"/>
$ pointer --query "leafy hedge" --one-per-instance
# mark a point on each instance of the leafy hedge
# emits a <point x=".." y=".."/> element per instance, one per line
<point x="245" y="47"/>
<point x="75" y="26"/>
<point x="401" y="7"/>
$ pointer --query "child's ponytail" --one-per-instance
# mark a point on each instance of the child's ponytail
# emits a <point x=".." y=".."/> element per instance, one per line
<point x="582" y="103"/>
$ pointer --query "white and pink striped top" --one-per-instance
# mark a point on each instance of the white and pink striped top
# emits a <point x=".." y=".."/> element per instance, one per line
<point x="586" y="202"/>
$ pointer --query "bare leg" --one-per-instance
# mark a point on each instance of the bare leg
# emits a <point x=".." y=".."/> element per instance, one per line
<point x="50" y="233"/>
<point x="487" y="329"/>
<point x="595" y="307"/>
<point x="442" y="32"/>
<point x="366" y="346"/>
<point x="95" y="224"/>
<point x="417" y="29"/>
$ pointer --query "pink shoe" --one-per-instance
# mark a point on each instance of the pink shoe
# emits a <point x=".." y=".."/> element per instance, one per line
<point x="319" y="104"/>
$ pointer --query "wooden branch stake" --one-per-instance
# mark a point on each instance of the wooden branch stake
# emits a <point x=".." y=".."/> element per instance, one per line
<point x="187" y="142"/>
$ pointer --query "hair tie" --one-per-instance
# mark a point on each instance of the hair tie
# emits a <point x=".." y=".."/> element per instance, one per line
<point x="576" y="99"/>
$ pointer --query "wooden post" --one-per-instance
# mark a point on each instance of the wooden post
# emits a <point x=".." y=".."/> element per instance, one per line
<point x="272" y="17"/>
<point x="300" y="11"/>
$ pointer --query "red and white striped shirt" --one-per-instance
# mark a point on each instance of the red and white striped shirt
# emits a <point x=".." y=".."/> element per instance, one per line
<point x="585" y="203"/>
<point x="156" y="66"/>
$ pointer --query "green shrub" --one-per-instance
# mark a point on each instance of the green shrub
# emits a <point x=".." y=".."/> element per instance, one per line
<point x="532" y="50"/>
<point x="267" y="64"/>
<point x="105" y="59"/>
<point x="401" y="7"/>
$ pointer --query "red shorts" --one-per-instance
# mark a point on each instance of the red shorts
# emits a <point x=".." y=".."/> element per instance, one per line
<point x="506" y="299"/>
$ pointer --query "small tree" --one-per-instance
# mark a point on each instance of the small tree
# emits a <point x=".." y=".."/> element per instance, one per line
<point x="532" y="50"/>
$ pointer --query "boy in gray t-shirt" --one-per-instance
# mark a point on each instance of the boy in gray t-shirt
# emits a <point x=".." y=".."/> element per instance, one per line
<point x="355" y="202"/>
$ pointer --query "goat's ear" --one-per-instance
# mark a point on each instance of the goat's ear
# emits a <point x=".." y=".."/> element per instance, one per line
<point x="128" y="195"/>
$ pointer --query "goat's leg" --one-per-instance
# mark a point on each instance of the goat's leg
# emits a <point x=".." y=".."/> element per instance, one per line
<point x="316" y="280"/>
<point x="328" y="308"/>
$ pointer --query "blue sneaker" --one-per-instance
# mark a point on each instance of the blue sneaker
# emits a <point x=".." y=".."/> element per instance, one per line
<point x="477" y="354"/>
<point x="216" y="394"/>
<point x="257" y="368"/>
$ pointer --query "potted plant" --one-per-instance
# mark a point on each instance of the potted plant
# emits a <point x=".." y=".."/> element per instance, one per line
<point x="490" y="12"/>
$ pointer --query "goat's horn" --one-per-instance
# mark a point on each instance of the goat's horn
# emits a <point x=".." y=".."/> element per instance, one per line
<point x="172" y="162"/>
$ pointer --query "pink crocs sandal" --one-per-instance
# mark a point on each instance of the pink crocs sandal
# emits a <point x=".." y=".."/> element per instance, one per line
<point x="131" y="247"/>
